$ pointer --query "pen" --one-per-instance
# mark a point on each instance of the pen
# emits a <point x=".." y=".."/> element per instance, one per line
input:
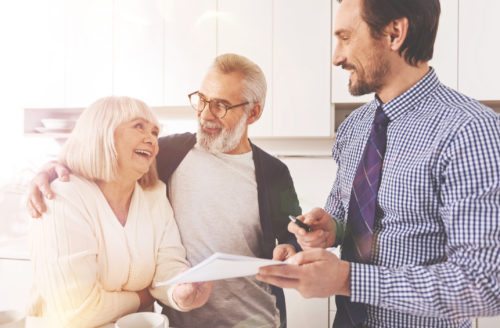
<point x="299" y="223"/>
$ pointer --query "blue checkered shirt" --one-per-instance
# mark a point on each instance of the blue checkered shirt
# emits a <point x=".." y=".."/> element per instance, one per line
<point x="435" y="258"/>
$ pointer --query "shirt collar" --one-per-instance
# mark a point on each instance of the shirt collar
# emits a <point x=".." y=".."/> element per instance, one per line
<point x="407" y="101"/>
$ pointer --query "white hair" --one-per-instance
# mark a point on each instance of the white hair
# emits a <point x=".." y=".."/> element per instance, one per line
<point x="90" y="149"/>
<point x="254" y="81"/>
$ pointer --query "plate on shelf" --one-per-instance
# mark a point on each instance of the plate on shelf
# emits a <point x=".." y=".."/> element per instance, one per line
<point x="58" y="123"/>
<point x="47" y="130"/>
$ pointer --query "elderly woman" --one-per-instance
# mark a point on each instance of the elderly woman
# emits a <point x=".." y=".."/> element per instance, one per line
<point x="109" y="233"/>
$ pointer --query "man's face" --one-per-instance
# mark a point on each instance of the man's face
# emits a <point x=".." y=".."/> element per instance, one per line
<point x="227" y="133"/>
<point x="357" y="51"/>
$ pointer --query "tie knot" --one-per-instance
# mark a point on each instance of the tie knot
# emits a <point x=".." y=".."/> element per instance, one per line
<point x="380" y="117"/>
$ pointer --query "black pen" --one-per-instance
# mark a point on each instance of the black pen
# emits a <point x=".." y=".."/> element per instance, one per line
<point x="299" y="223"/>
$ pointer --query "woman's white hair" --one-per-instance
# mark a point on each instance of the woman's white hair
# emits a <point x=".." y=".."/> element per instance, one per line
<point x="90" y="149"/>
<point x="254" y="81"/>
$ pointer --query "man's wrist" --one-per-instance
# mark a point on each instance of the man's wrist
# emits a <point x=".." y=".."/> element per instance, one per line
<point x="345" y="279"/>
<point x="339" y="232"/>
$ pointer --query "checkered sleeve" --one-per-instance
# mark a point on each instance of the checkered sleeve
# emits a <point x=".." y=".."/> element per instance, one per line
<point x="467" y="283"/>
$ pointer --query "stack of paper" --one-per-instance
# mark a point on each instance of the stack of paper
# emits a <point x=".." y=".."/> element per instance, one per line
<point x="221" y="266"/>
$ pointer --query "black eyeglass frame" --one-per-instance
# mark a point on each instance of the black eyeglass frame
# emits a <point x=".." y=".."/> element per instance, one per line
<point x="197" y="108"/>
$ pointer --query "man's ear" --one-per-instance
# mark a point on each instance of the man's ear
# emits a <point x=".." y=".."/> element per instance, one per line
<point x="254" y="113"/>
<point x="396" y="33"/>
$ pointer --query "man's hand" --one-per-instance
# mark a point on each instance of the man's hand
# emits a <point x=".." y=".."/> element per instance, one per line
<point x="40" y="186"/>
<point x="283" y="251"/>
<point x="193" y="295"/>
<point x="323" y="229"/>
<point x="314" y="273"/>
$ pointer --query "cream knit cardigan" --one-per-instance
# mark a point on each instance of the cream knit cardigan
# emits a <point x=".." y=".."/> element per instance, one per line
<point x="88" y="267"/>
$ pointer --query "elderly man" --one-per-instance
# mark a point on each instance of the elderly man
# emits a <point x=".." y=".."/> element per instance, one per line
<point x="228" y="195"/>
<point x="416" y="202"/>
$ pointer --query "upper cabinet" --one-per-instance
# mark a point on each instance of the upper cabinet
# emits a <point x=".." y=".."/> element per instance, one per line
<point x="88" y="50"/>
<point x="238" y="32"/>
<point x="43" y="63"/>
<point x="297" y="102"/>
<point x="445" y="58"/>
<point x="138" y="34"/>
<point x="478" y="68"/>
<point x="159" y="51"/>
<point x="301" y="68"/>
<point x="189" y="47"/>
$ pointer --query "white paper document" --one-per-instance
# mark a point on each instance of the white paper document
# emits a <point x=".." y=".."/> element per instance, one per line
<point x="221" y="266"/>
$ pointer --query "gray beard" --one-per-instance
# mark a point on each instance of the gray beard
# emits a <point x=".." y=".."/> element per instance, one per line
<point x="225" y="141"/>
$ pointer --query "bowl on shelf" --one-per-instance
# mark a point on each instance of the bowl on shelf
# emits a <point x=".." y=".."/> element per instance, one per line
<point x="58" y="124"/>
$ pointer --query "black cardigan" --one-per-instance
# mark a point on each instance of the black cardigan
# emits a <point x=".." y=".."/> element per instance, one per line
<point x="276" y="195"/>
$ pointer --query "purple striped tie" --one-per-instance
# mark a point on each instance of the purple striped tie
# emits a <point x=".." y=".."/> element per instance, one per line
<point x="361" y="217"/>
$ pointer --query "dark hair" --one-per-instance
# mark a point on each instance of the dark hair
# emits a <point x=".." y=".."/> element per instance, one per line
<point x="423" y="20"/>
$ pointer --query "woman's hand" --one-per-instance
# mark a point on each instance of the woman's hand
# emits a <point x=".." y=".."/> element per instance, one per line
<point x="145" y="298"/>
<point x="193" y="295"/>
<point x="283" y="251"/>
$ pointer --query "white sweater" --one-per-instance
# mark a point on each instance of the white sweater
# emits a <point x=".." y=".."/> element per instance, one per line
<point x="88" y="267"/>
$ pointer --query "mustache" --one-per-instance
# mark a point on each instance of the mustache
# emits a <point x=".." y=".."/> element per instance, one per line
<point x="210" y="125"/>
<point x="348" y="66"/>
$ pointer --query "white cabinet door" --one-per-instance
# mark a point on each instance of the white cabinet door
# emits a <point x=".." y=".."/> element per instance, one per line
<point x="479" y="49"/>
<point x="305" y="312"/>
<point x="88" y="51"/>
<point x="189" y="47"/>
<point x="488" y="322"/>
<point x="138" y="50"/>
<point x="245" y="27"/>
<point x="38" y="35"/>
<point x="301" y="68"/>
<point x="445" y="59"/>
<point x="16" y="279"/>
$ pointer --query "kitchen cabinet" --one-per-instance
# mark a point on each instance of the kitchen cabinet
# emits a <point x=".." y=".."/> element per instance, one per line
<point x="246" y="27"/>
<point x="69" y="52"/>
<point x="313" y="178"/>
<point x="88" y="50"/>
<point x="445" y="58"/>
<point x="301" y="68"/>
<point x="478" y="51"/>
<point x="305" y="312"/>
<point x="70" y="63"/>
<point x="42" y="58"/>
<point x="16" y="279"/>
<point x="189" y="47"/>
<point x="156" y="51"/>
<point x="159" y="51"/>
<point x="138" y="33"/>
<point x="488" y="322"/>
<point x="274" y="34"/>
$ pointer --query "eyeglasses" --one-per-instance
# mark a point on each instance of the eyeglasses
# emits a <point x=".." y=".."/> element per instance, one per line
<point x="216" y="107"/>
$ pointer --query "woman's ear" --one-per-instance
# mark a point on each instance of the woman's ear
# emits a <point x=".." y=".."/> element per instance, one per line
<point x="254" y="113"/>
<point x="396" y="32"/>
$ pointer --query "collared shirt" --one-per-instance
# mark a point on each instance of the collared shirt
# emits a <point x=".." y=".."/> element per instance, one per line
<point x="436" y="249"/>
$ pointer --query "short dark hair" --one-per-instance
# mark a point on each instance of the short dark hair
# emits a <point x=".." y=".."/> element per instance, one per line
<point x="423" y="20"/>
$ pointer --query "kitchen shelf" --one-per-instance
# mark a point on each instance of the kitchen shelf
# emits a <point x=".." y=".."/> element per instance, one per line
<point x="33" y="119"/>
<point x="174" y="119"/>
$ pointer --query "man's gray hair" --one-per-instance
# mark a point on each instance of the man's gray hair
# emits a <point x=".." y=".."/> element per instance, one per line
<point x="254" y="81"/>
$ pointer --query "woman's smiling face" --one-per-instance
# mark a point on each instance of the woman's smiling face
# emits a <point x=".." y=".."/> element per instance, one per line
<point x="136" y="144"/>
